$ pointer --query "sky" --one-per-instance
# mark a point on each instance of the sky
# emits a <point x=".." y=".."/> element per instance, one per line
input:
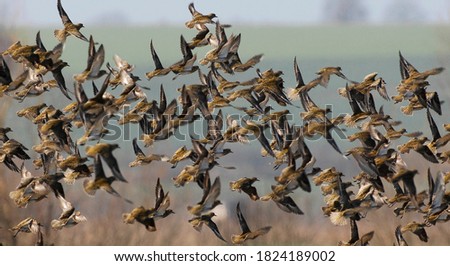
<point x="175" y="12"/>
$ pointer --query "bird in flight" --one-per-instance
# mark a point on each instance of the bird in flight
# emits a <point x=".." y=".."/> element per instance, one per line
<point x="69" y="27"/>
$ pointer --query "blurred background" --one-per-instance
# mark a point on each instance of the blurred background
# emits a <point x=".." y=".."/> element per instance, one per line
<point x="360" y="36"/>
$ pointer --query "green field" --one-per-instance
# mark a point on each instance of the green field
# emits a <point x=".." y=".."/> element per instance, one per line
<point x="308" y="42"/>
<point x="359" y="50"/>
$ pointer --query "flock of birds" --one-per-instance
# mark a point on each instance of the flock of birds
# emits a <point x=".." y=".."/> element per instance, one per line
<point x="62" y="162"/>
